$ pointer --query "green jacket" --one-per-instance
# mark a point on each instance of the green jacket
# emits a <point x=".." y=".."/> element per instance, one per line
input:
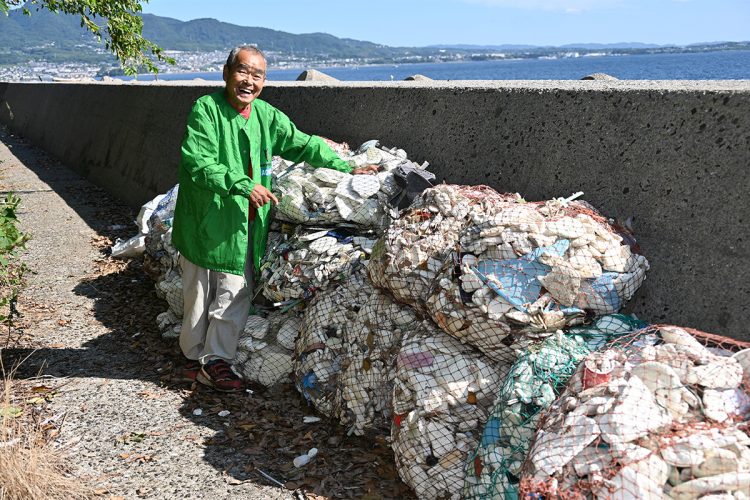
<point x="211" y="216"/>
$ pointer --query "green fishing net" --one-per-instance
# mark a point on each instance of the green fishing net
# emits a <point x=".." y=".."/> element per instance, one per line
<point x="534" y="381"/>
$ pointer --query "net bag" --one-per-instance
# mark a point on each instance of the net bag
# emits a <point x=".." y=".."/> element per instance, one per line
<point x="319" y="349"/>
<point x="662" y="413"/>
<point x="161" y="263"/>
<point x="299" y="264"/>
<point x="523" y="270"/>
<point x="407" y="258"/>
<point x="372" y="342"/>
<point x="533" y="383"/>
<point x="443" y="390"/>
<point x="265" y="349"/>
<point x="324" y="196"/>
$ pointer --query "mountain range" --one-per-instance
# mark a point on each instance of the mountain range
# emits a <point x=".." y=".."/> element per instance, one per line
<point x="60" y="39"/>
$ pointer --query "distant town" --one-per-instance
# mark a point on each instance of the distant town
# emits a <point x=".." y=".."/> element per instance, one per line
<point x="207" y="61"/>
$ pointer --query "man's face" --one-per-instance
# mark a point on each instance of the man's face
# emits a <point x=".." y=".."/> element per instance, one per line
<point x="245" y="79"/>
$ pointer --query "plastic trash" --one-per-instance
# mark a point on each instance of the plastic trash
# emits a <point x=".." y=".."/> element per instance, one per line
<point x="534" y="382"/>
<point x="265" y="348"/>
<point x="319" y="349"/>
<point x="372" y="341"/>
<point x="656" y="414"/>
<point x="299" y="264"/>
<point x="442" y="395"/>
<point x="303" y="460"/>
<point x="129" y="248"/>
<point x="322" y="196"/>
<point x="413" y="249"/>
<point x="522" y="270"/>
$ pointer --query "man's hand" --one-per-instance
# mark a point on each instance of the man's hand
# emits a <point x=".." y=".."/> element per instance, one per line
<point x="366" y="170"/>
<point x="259" y="196"/>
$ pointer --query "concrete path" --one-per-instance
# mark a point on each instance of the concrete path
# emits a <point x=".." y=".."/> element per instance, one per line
<point x="128" y="435"/>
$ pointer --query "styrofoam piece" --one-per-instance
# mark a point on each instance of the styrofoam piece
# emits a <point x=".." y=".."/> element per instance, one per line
<point x="365" y="185"/>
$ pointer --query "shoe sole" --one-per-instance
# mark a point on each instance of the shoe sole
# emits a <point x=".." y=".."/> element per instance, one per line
<point x="205" y="380"/>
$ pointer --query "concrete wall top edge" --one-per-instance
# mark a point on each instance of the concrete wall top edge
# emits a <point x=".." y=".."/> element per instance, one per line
<point x="533" y="85"/>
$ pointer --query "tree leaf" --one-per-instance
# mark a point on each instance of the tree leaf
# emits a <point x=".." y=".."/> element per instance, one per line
<point x="11" y="411"/>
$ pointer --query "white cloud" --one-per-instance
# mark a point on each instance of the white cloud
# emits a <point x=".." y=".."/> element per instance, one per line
<point x="570" y="6"/>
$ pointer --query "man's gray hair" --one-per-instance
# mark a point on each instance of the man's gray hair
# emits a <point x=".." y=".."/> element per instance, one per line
<point x="232" y="59"/>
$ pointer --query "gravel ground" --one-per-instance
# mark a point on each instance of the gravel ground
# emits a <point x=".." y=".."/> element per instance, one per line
<point x="88" y="324"/>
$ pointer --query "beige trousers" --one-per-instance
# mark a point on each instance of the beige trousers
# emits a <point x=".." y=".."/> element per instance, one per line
<point x="216" y="309"/>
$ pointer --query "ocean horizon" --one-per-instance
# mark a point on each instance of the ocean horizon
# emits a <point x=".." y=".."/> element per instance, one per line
<point x="720" y="65"/>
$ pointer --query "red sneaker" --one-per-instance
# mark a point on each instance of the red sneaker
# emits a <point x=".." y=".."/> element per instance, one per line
<point x="188" y="372"/>
<point x="219" y="375"/>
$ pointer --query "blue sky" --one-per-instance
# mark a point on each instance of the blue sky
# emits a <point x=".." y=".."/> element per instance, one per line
<point x="484" y="22"/>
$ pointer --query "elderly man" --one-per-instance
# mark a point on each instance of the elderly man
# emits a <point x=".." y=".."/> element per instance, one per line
<point x="222" y="215"/>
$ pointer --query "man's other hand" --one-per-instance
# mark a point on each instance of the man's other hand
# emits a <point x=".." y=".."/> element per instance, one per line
<point x="366" y="170"/>
<point x="259" y="196"/>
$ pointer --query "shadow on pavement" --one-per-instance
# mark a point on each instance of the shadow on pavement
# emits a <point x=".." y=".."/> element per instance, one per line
<point x="263" y="432"/>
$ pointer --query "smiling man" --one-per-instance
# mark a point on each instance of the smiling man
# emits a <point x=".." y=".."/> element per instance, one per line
<point x="222" y="215"/>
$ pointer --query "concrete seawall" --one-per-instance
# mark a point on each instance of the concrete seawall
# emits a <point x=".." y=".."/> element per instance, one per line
<point x="675" y="156"/>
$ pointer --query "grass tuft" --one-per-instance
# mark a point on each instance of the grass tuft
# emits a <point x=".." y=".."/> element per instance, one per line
<point x="32" y="465"/>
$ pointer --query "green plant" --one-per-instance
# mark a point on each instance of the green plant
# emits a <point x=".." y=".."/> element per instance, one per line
<point x="12" y="239"/>
<point x="115" y="21"/>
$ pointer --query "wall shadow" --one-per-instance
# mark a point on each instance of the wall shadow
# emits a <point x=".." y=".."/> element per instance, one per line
<point x="264" y="431"/>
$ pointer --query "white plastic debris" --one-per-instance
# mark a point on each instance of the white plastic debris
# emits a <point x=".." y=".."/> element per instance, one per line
<point x="521" y="270"/>
<point x="264" y="352"/>
<point x="297" y="266"/>
<point x="224" y="413"/>
<point x="371" y="343"/>
<point x="443" y="390"/>
<point x="324" y="196"/>
<point x="129" y="248"/>
<point x="161" y="261"/>
<point x="198" y="412"/>
<point x="319" y="349"/>
<point x="303" y="460"/>
<point x="137" y="244"/>
<point x="413" y="249"/>
<point x="661" y="430"/>
<point x="534" y="382"/>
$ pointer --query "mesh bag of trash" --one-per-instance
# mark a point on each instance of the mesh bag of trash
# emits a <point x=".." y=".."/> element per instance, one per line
<point x="302" y="261"/>
<point x="266" y="346"/>
<point x="407" y="258"/>
<point x="319" y="348"/>
<point x="316" y="196"/>
<point x="137" y="244"/>
<point x="523" y="269"/>
<point x="372" y="342"/>
<point x="662" y="413"/>
<point x="161" y="262"/>
<point x="443" y="391"/>
<point x="533" y="383"/>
